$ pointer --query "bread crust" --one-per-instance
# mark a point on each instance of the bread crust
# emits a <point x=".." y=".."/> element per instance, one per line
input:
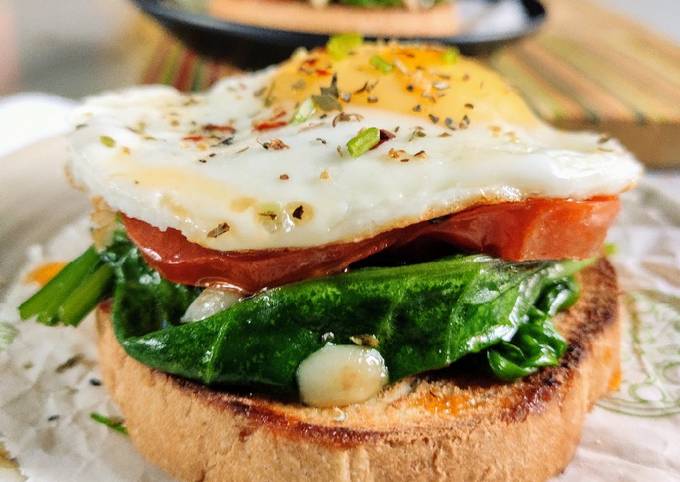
<point x="301" y="16"/>
<point x="443" y="426"/>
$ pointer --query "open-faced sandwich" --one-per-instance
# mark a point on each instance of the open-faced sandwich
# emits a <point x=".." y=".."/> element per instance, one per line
<point x="371" y="262"/>
<point x="377" y="18"/>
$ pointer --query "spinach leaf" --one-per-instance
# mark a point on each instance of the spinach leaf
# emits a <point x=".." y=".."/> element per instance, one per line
<point x="153" y="302"/>
<point x="424" y="316"/>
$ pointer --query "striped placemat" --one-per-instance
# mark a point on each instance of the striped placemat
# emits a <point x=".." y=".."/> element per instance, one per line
<point x="588" y="68"/>
<point x="592" y="69"/>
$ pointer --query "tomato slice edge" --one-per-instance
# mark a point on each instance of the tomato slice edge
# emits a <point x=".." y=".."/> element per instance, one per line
<point x="535" y="229"/>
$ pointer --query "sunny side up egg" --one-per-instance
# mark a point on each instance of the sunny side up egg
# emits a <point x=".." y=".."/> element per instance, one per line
<point x="261" y="160"/>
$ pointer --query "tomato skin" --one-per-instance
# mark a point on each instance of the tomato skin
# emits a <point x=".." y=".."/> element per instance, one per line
<point x="535" y="229"/>
<point x="184" y="262"/>
<point x="517" y="231"/>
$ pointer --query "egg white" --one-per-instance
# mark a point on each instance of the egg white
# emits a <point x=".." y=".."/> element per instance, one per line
<point x="151" y="172"/>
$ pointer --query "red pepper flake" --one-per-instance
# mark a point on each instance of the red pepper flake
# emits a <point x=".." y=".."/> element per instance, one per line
<point x="385" y="136"/>
<point x="268" y="124"/>
<point x="275" y="144"/>
<point x="272" y="123"/>
<point x="284" y="177"/>
<point x="310" y="62"/>
<point x="323" y="72"/>
<point x="194" y="138"/>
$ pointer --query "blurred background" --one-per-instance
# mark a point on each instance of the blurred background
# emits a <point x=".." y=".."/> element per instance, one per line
<point x="78" y="47"/>
<point x="611" y="65"/>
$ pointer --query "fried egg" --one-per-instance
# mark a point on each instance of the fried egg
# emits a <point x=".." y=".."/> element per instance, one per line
<point x="260" y="161"/>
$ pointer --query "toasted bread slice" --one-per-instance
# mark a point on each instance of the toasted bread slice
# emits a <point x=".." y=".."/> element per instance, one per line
<point x="300" y="16"/>
<point x="446" y="425"/>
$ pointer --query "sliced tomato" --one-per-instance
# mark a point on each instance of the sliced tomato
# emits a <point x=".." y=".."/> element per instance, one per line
<point x="536" y="229"/>
<point x="529" y="230"/>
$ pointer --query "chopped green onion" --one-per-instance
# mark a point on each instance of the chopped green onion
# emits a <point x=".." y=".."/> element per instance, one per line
<point x="114" y="424"/>
<point x="304" y="111"/>
<point x="610" y="249"/>
<point x="363" y="141"/>
<point x="450" y="55"/>
<point x="46" y="302"/>
<point x="85" y="297"/>
<point x="108" y="141"/>
<point x="339" y="46"/>
<point x="381" y="64"/>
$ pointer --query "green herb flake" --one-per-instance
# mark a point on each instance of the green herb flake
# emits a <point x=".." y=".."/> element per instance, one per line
<point x="364" y="141"/>
<point x="304" y="111"/>
<point x="450" y="55"/>
<point x="381" y="64"/>
<point x="113" y="423"/>
<point x="108" y="141"/>
<point x="610" y="249"/>
<point x="339" y="46"/>
<point x="7" y="335"/>
<point x="326" y="103"/>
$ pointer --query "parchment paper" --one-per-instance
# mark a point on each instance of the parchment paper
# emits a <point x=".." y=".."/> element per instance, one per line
<point x="633" y="435"/>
